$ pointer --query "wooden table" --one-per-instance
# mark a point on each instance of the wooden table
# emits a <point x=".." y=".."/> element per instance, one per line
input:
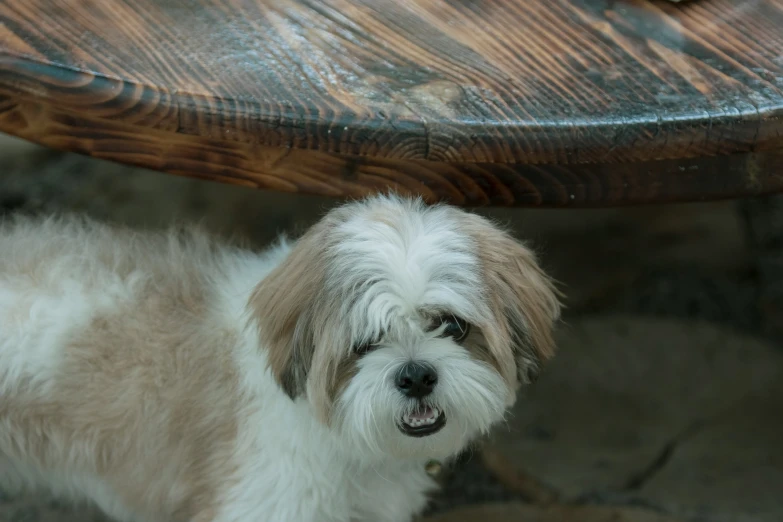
<point x="504" y="102"/>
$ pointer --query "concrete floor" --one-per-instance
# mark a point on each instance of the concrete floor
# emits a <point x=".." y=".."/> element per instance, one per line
<point x="663" y="405"/>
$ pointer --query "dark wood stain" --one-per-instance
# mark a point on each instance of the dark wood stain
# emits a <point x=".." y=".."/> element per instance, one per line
<point x="503" y="102"/>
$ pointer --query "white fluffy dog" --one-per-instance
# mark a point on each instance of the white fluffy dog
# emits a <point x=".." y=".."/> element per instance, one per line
<point x="170" y="377"/>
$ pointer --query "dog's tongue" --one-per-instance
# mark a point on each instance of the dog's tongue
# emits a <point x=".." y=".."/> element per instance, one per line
<point x="423" y="413"/>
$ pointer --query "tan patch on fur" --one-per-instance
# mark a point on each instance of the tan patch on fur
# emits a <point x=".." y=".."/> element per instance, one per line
<point x="478" y="347"/>
<point x="387" y="216"/>
<point x="523" y="299"/>
<point x="144" y="397"/>
<point x="283" y="305"/>
<point x="346" y="370"/>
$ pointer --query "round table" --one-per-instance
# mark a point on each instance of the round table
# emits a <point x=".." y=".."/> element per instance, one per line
<point x="475" y="102"/>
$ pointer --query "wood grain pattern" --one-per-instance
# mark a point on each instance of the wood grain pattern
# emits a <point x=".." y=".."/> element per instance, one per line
<point x="497" y="101"/>
<point x="469" y="184"/>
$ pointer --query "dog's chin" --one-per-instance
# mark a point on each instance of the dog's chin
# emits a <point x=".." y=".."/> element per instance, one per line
<point x="422" y="421"/>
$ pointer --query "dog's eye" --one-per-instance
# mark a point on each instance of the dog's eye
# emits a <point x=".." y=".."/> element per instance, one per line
<point x="455" y="327"/>
<point x="365" y="348"/>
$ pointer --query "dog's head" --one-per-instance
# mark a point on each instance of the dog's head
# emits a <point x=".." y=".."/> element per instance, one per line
<point x="408" y="328"/>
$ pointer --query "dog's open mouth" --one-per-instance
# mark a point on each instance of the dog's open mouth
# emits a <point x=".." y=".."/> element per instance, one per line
<point x="423" y="421"/>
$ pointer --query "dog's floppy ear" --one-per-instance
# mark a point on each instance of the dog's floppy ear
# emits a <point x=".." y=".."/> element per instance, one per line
<point x="523" y="299"/>
<point x="530" y="306"/>
<point x="284" y="305"/>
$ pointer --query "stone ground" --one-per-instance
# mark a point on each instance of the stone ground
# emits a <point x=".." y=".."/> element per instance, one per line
<point x="664" y="404"/>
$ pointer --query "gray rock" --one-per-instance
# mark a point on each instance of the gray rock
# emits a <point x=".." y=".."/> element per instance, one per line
<point x="656" y="412"/>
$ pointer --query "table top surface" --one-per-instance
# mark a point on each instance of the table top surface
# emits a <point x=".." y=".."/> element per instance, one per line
<point x="489" y="81"/>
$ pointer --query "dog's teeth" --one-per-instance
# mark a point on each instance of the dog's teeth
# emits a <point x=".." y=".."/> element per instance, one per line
<point x="416" y="421"/>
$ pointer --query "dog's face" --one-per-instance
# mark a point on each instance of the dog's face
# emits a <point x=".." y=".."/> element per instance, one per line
<point x="408" y="328"/>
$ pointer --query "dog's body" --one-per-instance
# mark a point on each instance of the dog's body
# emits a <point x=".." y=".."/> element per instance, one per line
<point x="167" y="377"/>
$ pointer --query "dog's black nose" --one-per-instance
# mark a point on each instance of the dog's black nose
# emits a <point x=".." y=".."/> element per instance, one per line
<point x="416" y="379"/>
